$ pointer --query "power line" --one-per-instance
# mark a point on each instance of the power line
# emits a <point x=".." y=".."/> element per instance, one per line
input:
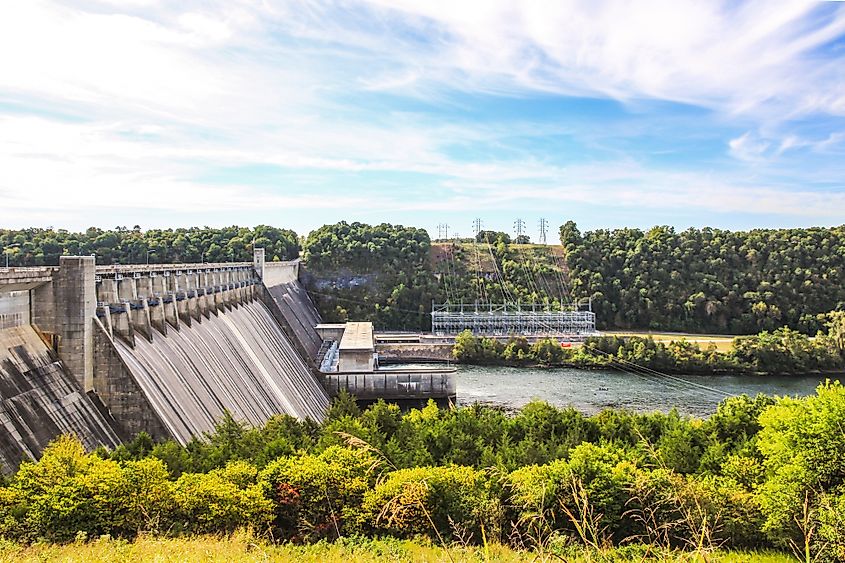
<point x="658" y="374"/>
<point x="506" y="294"/>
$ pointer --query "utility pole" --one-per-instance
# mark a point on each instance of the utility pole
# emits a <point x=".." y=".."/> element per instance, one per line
<point x="544" y="229"/>
<point x="519" y="227"/>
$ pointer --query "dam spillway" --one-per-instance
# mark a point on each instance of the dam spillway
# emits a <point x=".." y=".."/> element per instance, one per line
<point x="40" y="400"/>
<point x="238" y="360"/>
<point x="108" y="351"/>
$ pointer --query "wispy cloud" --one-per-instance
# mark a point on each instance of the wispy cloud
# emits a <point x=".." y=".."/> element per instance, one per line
<point x="113" y="109"/>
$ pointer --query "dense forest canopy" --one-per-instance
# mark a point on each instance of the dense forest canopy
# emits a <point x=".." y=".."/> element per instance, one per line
<point x="380" y="273"/>
<point x="42" y="247"/>
<point x="708" y="280"/>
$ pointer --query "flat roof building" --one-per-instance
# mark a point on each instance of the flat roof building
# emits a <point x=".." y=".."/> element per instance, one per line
<point x="357" y="350"/>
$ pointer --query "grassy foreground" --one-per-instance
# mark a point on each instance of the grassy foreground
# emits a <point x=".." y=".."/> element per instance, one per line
<point x="243" y="547"/>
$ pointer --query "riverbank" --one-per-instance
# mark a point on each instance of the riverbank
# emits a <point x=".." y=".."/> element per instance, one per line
<point x="782" y="352"/>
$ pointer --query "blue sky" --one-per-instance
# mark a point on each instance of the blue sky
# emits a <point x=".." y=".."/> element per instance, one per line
<point x="298" y="114"/>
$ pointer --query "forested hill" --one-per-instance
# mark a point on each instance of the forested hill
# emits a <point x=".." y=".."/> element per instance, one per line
<point x="379" y="273"/>
<point x="40" y="247"/>
<point x="708" y="280"/>
<point x="697" y="280"/>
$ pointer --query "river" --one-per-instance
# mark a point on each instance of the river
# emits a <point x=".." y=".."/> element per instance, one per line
<point x="591" y="391"/>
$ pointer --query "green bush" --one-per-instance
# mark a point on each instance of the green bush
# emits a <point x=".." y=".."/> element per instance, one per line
<point x="802" y="441"/>
<point x="220" y="501"/>
<point x="319" y="496"/>
<point x="688" y="511"/>
<point x="831" y="525"/>
<point x="454" y="502"/>
<point x="68" y="492"/>
<point x="588" y="490"/>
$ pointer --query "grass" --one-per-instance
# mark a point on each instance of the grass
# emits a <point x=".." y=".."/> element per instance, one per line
<point x="244" y="547"/>
<point x="723" y="342"/>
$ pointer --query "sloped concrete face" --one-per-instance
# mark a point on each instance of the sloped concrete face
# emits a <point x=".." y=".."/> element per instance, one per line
<point x="165" y="349"/>
<point x="40" y="401"/>
<point x="239" y="360"/>
<point x="298" y="314"/>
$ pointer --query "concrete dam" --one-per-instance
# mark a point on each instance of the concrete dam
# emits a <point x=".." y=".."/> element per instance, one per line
<point x="105" y="352"/>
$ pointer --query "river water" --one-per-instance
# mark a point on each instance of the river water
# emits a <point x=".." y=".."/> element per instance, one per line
<point x="591" y="391"/>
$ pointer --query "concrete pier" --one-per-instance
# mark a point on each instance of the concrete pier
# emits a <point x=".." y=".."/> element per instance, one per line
<point x="74" y="289"/>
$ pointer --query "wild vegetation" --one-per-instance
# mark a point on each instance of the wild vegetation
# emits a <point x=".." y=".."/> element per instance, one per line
<point x="697" y="280"/>
<point x="759" y="473"/>
<point x="40" y="247"/>
<point x="708" y="280"/>
<point x="378" y="273"/>
<point x="244" y="546"/>
<point x="783" y="351"/>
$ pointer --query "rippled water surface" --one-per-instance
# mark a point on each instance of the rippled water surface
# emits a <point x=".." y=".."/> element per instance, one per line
<point x="592" y="391"/>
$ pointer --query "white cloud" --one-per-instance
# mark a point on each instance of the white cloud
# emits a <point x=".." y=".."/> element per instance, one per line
<point x="755" y="148"/>
<point x="160" y="92"/>
<point x="747" y="58"/>
<point x="750" y="147"/>
<point x="61" y="172"/>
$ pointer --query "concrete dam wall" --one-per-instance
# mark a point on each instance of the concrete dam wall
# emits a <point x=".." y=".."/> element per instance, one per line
<point x="299" y="314"/>
<point x="289" y="297"/>
<point x="40" y="400"/>
<point x="105" y="352"/>
<point x="239" y="360"/>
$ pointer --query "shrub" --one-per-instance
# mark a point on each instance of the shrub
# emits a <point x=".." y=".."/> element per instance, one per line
<point x="64" y="493"/>
<point x="594" y="479"/>
<point x="220" y="501"/>
<point x="831" y="525"/>
<point x="142" y="501"/>
<point x="674" y="510"/>
<point x="453" y="502"/>
<point x="319" y="496"/>
<point x="802" y="443"/>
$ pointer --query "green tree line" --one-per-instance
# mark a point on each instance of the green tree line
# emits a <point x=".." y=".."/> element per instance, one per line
<point x="783" y="351"/>
<point x="708" y="280"/>
<point x="759" y="473"/>
<point x="697" y="280"/>
<point x="42" y="247"/>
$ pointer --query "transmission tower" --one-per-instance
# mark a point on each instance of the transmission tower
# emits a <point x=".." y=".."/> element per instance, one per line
<point x="519" y="228"/>
<point x="476" y="226"/>
<point x="544" y="229"/>
<point x="443" y="231"/>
